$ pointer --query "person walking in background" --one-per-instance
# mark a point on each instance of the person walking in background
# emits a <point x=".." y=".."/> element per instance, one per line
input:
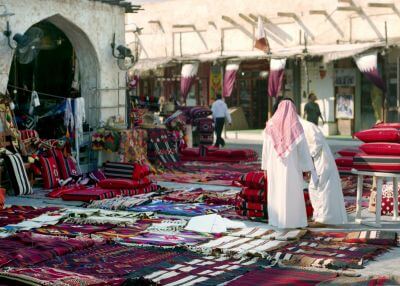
<point x="311" y="110"/>
<point x="220" y="113"/>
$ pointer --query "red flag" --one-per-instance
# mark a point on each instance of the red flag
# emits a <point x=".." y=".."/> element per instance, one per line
<point x="261" y="39"/>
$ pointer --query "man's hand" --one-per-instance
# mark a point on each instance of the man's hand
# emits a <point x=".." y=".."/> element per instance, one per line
<point x="306" y="176"/>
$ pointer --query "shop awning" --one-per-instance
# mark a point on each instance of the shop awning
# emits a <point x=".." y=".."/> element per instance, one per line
<point x="328" y="52"/>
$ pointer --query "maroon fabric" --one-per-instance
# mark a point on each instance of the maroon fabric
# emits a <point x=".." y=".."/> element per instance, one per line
<point x="282" y="276"/>
<point x="186" y="84"/>
<point x="275" y="80"/>
<point x="58" y="192"/>
<point x="381" y="148"/>
<point x="190" y="152"/>
<point x="344" y="161"/>
<point x="345" y="170"/>
<point x="219" y="155"/>
<point x="229" y="81"/>
<point x="90" y="194"/>
<point x="16" y="214"/>
<point x="144" y="190"/>
<point x="377" y="163"/>
<point x="379" y="135"/>
<point x="50" y="172"/>
<point x="254" y="180"/>
<point x="348" y="152"/>
<point x="124" y="183"/>
<point x="140" y="171"/>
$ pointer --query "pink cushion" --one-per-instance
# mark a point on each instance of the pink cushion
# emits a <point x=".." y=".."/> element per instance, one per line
<point x="388" y="125"/>
<point x="123" y="183"/>
<point x="379" y="135"/>
<point x="348" y="152"/>
<point x="381" y="148"/>
<point x="377" y="163"/>
<point x="344" y="161"/>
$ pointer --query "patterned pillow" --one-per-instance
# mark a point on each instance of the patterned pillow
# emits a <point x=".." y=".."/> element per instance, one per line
<point x="118" y="170"/>
<point x="204" y="125"/>
<point x="18" y="175"/>
<point x="254" y="180"/>
<point x="50" y="172"/>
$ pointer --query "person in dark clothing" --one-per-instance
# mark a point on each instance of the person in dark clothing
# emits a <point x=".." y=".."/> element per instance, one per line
<point x="220" y="112"/>
<point x="311" y="110"/>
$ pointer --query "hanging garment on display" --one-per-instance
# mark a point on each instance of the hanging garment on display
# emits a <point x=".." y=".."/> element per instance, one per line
<point x="79" y="114"/>
<point x="188" y="75"/>
<point x="276" y="74"/>
<point x="68" y="115"/>
<point x="368" y="64"/>
<point x="35" y="102"/>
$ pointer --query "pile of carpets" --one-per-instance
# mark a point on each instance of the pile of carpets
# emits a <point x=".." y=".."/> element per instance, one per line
<point x="252" y="200"/>
<point x="119" y="179"/>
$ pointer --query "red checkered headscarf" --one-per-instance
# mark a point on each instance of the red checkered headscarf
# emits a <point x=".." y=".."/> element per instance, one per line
<point x="284" y="128"/>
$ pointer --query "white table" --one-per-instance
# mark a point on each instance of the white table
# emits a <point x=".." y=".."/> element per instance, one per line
<point x="379" y="178"/>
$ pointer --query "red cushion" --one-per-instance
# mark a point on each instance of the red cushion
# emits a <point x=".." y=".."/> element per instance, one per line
<point x="220" y="153"/>
<point x="190" y="152"/>
<point x="377" y="163"/>
<point x="348" y="152"/>
<point x="379" y="135"/>
<point x="124" y="183"/>
<point x="133" y="192"/>
<point x="388" y="125"/>
<point x="344" y="161"/>
<point x="140" y="171"/>
<point x="381" y="148"/>
<point x="345" y="170"/>
<point x="254" y="180"/>
<point x="90" y="194"/>
<point x="50" y="172"/>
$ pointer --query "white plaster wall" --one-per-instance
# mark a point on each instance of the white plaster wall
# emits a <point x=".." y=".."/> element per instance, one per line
<point x="334" y="26"/>
<point x="90" y="27"/>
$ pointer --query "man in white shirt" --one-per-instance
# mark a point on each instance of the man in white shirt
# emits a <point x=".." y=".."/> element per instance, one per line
<point x="220" y="112"/>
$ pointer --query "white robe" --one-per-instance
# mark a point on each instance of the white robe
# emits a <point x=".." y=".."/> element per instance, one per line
<point x="327" y="197"/>
<point x="286" y="205"/>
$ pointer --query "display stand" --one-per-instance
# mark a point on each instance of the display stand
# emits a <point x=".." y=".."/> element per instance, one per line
<point x="379" y="178"/>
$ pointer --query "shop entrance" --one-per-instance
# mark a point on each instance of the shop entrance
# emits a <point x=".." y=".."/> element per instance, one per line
<point x="50" y="73"/>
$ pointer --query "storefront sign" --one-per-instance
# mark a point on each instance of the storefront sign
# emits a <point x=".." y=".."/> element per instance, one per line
<point x="345" y="77"/>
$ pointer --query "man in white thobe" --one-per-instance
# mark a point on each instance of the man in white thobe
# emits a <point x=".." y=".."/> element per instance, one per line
<point x="285" y="158"/>
<point x="327" y="196"/>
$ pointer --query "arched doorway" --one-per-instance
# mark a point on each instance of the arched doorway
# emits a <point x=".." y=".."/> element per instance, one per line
<point x="66" y="66"/>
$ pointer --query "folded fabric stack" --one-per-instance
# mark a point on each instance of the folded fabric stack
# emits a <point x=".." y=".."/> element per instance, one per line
<point x="381" y="150"/>
<point x="122" y="179"/>
<point x="252" y="200"/>
<point x="211" y="154"/>
<point x="387" y="200"/>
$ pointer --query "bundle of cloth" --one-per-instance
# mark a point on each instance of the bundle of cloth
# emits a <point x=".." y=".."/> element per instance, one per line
<point x="116" y="179"/>
<point x="252" y="199"/>
<point x="213" y="154"/>
<point x="381" y="149"/>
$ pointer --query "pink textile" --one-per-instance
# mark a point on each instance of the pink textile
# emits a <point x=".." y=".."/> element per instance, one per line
<point x="186" y="84"/>
<point x="284" y="128"/>
<point x="229" y="81"/>
<point x="275" y="79"/>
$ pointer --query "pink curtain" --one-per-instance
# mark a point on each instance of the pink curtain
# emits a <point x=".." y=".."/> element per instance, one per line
<point x="275" y="78"/>
<point x="230" y="78"/>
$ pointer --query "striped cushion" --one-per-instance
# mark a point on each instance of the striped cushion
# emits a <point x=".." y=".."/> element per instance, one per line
<point x="90" y="194"/>
<point x="50" y="172"/>
<point x="344" y="162"/>
<point x="124" y="183"/>
<point x="16" y="171"/>
<point x="255" y="180"/>
<point x="118" y="170"/>
<point x="377" y="163"/>
<point x="66" y="165"/>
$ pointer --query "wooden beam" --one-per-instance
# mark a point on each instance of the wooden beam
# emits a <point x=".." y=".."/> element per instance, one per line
<point x="287" y="14"/>
<point x="247" y="19"/>
<point x="318" y="12"/>
<point x="349" y="9"/>
<point x="381" y="5"/>
<point x="229" y="20"/>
